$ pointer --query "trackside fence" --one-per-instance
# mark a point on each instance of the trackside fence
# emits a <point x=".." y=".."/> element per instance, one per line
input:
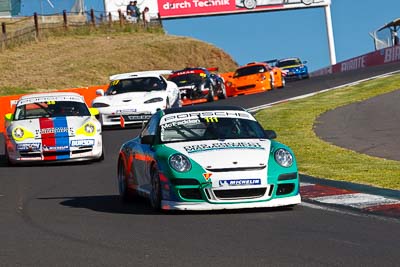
<point x="16" y="31"/>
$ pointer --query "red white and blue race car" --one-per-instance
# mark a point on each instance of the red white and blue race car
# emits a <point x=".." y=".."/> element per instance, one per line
<point x="52" y="127"/>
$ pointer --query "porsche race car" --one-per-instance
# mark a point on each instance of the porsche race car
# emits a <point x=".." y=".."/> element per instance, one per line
<point x="132" y="98"/>
<point x="198" y="84"/>
<point x="207" y="158"/>
<point x="52" y="127"/>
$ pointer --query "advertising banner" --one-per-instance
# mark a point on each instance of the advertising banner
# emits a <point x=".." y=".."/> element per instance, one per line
<point x="192" y="8"/>
<point x="380" y="57"/>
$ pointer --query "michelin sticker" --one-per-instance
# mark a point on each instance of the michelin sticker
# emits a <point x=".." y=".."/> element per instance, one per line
<point x="238" y="182"/>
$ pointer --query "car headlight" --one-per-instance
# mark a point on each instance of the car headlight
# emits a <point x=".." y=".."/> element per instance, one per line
<point x="229" y="84"/>
<point x="154" y="100"/>
<point x="18" y="133"/>
<point x="89" y="128"/>
<point x="283" y="157"/>
<point x="100" y="105"/>
<point x="180" y="163"/>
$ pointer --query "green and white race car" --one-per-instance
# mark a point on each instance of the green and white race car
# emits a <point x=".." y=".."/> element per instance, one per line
<point x="207" y="158"/>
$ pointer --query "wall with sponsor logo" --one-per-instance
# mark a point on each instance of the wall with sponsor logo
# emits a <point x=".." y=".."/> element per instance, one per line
<point x="380" y="57"/>
<point x="190" y="8"/>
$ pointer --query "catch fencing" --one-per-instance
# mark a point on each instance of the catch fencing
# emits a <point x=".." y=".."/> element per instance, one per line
<point x="16" y="31"/>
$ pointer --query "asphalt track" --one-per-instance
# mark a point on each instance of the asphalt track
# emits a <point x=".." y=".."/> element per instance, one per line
<point x="70" y="215"/>
<point x="370" y="127"/>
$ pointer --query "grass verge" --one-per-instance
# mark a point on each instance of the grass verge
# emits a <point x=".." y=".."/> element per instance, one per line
<point x="294" y="121"/>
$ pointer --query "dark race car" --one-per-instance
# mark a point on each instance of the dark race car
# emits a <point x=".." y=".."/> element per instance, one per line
<point x="198" y="85"/>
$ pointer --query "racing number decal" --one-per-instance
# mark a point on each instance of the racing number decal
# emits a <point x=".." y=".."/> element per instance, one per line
<point x="211" y="119"/>
<point x="113" y="83"/>
<point x="51" y="102"/>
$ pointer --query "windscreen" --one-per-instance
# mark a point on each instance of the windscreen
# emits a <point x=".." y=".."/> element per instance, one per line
<point x="188" y="78"/>
<point x="286" y="63"/>
<point x="249" y="71"/>
<point x="210" y="128"/>
<point x="142" y="84"/>
<point x="50" y="109"/>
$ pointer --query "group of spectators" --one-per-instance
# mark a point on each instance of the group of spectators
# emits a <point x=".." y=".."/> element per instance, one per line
<point x="134" y="15"/>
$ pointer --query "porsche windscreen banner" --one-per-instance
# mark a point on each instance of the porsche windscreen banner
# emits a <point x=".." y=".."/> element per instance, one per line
<point x="192" y="8"/>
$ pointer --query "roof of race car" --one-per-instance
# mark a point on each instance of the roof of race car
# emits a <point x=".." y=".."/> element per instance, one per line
<point x="189" y="70"/>
<point x="250" y="64"/>
<point x="289" y="58"/>
<point x="55" y="96"/>
<point x="150" y="73"/>
<point x="201" y="108"/>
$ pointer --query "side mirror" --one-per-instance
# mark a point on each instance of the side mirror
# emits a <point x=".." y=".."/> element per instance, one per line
<point x="94" y="111"/>
<point x="100" y="92"/>
<point x="9" y="117"/>
<point x="148" y="139"/>
<point x="270" y="134"/>
<point x="305" y="62"/>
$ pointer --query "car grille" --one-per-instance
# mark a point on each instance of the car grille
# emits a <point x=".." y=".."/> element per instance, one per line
<point x="236" y="169"/>
<point x="246" y="87"/>
<point x="30" y="154"/>
<point x="190" y="193"/>
<point x="132" y="117"/>
<point x="231" y="194"/>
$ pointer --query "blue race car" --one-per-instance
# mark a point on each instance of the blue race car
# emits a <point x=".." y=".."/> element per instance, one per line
<point x="293" y="67"/>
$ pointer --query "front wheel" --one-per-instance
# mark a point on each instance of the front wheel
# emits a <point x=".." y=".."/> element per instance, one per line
<point x="283" y="82"/>
<point x="211" y="93"/>
<point x="222" y="92"/>
<point x="155" y="194"/>
<point x="7" y="157"/>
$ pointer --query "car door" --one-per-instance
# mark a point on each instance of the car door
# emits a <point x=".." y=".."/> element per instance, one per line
<point x="144" y="155"/>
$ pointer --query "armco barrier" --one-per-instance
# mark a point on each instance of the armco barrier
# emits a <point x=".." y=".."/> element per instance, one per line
<point x="380" y="57"/>
<point x="7" y="103"/>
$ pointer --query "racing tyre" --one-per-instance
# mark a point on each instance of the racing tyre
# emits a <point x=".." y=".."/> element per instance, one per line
<point x="211" y="94"/>
<point x="155" y="194"/>
<point x="272" y="83"/>
<point x="125" y="194"/>
<point x="283" y="82"/>
<point x="222" y="92"/>
<point x="250" y="4"/>
<point x="7" y="158"/>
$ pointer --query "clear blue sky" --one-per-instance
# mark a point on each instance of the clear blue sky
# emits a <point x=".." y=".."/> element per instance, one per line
<point x="302" y="33"/>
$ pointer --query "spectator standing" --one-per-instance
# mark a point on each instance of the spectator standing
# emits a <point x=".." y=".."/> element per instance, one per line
<point x="132" y="11"/>
<point x="146" y="16"/>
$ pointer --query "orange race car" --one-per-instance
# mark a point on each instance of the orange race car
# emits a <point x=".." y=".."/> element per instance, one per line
<point x="255" y="77"/>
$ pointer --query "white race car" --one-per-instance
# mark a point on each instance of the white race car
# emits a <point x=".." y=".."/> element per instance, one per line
<point x="132" y="98"/>
<point x="207" y="158"/>
<point x="52" y="127"/>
